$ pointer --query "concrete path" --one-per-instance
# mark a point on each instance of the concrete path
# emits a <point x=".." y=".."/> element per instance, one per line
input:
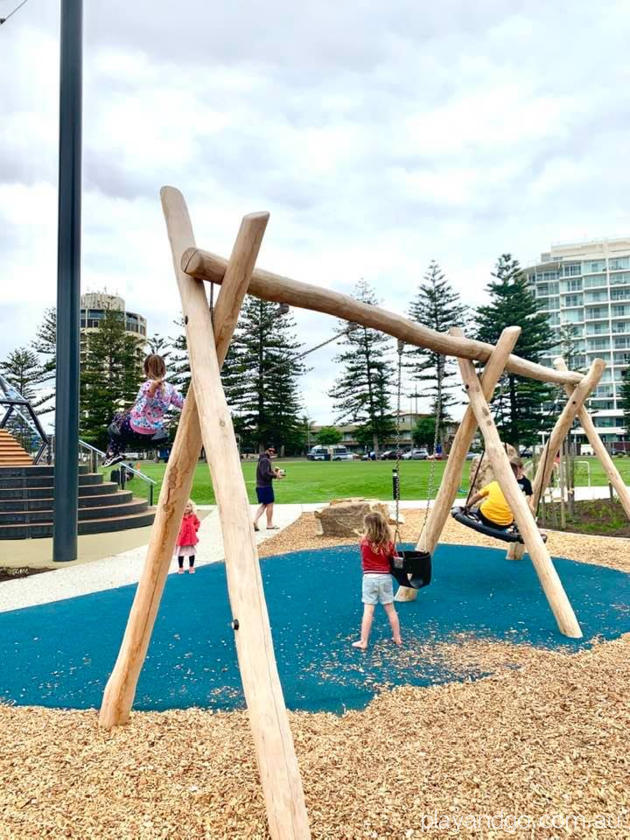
<point x="123" y="567"/>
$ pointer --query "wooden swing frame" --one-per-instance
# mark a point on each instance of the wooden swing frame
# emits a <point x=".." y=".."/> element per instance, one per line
<point x="206" y="421"/>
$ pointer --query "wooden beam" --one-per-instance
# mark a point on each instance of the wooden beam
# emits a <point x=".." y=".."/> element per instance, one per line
<point x="176" y="485"/>
<point x="552" y="587"/>
<point x="206" y="266"/>
<point x="273" y="741"/>
<point x="599" y="449"/>
<point x="562" y="428"/>
<point x="452" y="477"/>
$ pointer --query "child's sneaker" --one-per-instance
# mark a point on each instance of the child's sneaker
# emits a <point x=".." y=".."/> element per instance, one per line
<point x="113" y="459"/>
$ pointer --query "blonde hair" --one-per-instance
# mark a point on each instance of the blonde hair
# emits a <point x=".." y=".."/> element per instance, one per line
<point x="377" y="531"/>
<point x="154" y="367"/>
<point x="193" y="506"/>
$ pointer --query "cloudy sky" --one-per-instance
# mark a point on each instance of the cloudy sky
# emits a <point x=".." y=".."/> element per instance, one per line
<point x="379" y="136"/>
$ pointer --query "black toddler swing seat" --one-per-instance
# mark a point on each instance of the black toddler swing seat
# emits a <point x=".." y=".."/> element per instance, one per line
<point x="471" y="519"/>
<point x="411" y="568"/>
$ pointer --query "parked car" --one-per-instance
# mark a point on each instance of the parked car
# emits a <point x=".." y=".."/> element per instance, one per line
<point x="416" y="455"/>
<point x="319" y="453"/>
<point x="391" y="454"/>
<point x="340" y="453"/>
<point x="369" y="456"/>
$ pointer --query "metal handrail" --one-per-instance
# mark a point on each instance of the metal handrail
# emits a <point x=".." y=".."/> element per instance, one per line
<point x="124" y="468"/>
<point x="16" y="402"/>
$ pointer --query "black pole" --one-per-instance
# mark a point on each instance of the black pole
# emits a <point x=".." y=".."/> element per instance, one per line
<point x="68" y="286"/>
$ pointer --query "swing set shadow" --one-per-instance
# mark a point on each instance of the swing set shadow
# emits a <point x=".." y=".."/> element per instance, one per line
<point x="206" y="422"/>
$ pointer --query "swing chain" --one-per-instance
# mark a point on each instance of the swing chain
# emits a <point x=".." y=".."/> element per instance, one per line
<point x="396" y="471"/>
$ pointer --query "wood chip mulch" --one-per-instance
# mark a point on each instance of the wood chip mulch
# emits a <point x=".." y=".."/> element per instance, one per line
<point x="544" y="743"/>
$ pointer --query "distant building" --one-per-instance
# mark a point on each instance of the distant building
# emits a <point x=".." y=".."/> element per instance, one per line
<point x="408" y="420"/>
<point x="586" y="286"/>
<point x="95" y="304"/>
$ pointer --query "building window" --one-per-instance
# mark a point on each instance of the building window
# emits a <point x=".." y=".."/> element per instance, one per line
<point x="593" y="266"/>
<point x="619" y="262"/>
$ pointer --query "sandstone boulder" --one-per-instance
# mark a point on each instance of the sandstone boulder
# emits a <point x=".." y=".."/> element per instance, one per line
<point x="344" y="517"/>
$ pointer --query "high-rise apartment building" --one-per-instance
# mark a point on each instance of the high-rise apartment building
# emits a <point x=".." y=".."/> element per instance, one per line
<point x="95" y="304"/>
<point x="584" y="288"/>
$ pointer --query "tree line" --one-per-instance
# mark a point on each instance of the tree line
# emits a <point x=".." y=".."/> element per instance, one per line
<point x="265" y="364"/>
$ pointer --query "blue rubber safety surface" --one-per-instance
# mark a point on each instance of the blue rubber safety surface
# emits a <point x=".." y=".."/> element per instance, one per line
<point x="61" y="654"/>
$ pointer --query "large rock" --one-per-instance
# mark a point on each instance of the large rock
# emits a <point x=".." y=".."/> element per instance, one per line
<point x="482" y="475"/>
<point x="344" y="517"/>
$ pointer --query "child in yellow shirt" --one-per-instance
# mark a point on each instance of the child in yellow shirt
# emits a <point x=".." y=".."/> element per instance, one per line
<point x="494" y="511"/>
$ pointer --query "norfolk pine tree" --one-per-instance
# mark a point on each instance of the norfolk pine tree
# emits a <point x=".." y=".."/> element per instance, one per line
<point x="111" y="372"/>
<point x="22" y="370"/>
<point x="437" y="306"/>
<point x="518" y="402"/>
<point x="362" y="392"/>
<point x="260" y="378"/>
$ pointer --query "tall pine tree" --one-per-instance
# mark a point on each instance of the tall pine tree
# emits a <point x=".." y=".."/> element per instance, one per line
<point x="362" y="392"/>
<point x="45" y="345"/>
<point x="518" y="402"/>
<point x="260" y="377"/>
<point x="22" y="370"/>
<point x="111" y="372"/>
<point x="437" y="306"/>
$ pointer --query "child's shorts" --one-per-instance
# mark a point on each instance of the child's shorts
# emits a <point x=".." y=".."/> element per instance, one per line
<point x="377" y="589"/>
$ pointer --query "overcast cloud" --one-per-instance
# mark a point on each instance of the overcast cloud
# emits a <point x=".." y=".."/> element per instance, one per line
<point x="378" y="138"/>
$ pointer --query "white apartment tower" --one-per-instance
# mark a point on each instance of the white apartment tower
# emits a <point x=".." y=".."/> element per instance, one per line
<point x="586" y="286"/>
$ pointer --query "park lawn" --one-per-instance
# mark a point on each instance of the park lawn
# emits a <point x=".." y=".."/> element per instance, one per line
<point x="320" y="481"/>
<point x="317" y="481"/>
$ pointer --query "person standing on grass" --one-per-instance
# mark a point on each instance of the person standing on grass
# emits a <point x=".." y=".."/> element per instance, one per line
<point x="376" y="548"/>
<point x="265" y="475"/>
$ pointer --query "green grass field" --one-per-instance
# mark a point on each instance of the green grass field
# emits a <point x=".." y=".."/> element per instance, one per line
<point x="320" y="481"/>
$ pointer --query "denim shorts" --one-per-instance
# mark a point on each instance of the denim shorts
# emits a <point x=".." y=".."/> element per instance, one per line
<point x="377" y="589"/>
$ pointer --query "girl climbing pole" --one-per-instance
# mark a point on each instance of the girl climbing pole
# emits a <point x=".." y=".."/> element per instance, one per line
<point x="143" y="425"/>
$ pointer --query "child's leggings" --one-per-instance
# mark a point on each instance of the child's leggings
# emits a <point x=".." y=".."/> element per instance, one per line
<point x="118" y="443"/>
<point x="191" y="561"/>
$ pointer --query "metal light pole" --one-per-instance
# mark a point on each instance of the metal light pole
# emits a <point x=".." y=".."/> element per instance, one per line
<point x="68" y="286"/>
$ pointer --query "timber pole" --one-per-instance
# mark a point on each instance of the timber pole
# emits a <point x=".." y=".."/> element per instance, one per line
<point x="599" y="449"/>
<point x="121" y="686"/>
<point x="575" y="402"/>
<point x="203" y="265"/>
<point x="549" y="579"/>
<point x="452" y="477"/>
<point x="273" y="741"/>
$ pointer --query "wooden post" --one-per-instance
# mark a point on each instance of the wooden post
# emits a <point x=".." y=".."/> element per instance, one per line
<point x="598" y="447"/>
<point x="264" y="284"/>
<point x="452" y="476"/>
<point x="273" y="741"/>
<point x="121" y="686"/>
<point x="563" y="426"/>
<point x="551" y="584"/>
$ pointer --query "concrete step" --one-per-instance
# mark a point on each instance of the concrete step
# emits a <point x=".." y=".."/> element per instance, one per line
<point x="47" y="491"/>
<point x="106" y="499"/>
<point x="92" y="526"/>
<point x="28" y="480"/>
<point x="25" y="517"/>
<point x="26" y="471"/>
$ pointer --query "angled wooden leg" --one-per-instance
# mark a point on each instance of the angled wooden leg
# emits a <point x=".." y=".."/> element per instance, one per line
<point x="599" y="449"/>
<point x="275" y="752"/>
<point x="552" y="587"/>
<point x="176" y="485"/>
<point x="452" y="477"/>
<point x="563" y="425"/>
<point x="561" y="429"/>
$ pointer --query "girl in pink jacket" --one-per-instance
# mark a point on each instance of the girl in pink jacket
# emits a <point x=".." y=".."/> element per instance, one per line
<point x="187" y="538"/>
